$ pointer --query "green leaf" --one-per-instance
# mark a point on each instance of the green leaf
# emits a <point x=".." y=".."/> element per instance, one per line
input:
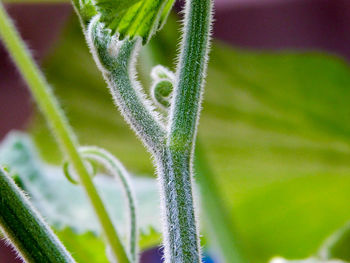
<point x="134" y="18"/>
<point x="86" y="247"/>
<point x="150" y="238"/>
<point x="65" y="205"/>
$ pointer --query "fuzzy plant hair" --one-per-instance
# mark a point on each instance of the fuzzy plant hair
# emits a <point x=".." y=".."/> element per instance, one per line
<point x="171" y="143"/>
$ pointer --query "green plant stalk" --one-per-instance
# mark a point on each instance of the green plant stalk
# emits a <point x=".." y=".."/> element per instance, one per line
<point x="184" y="114"/>
<point x="173" y="147"/>
<point x="24" y="227"/>
<point x="220" y="228"/>
<point x="54" y="116"/>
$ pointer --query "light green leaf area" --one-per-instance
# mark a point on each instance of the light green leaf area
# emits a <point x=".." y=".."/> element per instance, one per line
<point x="85" y="247"/>
<point x="65" y="207"/>
<point x="134" y="18"/>
<point x="275" y="128"/>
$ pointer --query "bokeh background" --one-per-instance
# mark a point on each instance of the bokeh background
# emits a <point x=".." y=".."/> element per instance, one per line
<point x="275" y="126"/>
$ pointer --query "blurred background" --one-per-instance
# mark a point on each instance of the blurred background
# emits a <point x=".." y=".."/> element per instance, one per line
<point x="275" y="126"/>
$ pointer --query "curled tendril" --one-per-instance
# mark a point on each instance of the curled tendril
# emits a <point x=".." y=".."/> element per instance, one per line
<point x="163" y="82"/>
<point x="117" y="170"/>
<point x="69" y="174"/>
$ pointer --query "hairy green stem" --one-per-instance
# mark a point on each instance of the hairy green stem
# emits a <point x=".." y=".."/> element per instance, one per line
<point x="191" y="71"/>
<point x="219" y="228"/>
<point x="116" y="60"/>
<point x="60" y="127"/>
<point x="181" y="236"/>
<point x="184" y="114"/>
<point x="172" y="148"/>
<point x="24" y="227"/>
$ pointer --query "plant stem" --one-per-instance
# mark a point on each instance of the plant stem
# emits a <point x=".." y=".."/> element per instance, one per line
<point x="182" y="237"/>
<point x="25" y="228"/>
<point x="172" y="148"/>
<point x="191" y="70"/>
<point x="118" y="68"/>
<point x="60" y="127"/>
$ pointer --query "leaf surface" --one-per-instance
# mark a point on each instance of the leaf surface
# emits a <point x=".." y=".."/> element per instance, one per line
<point x="131" y="18"/>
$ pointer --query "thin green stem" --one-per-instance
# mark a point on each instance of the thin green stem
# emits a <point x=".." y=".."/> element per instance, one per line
<point x="118" y="171"/>
<point x="60" y="127"/>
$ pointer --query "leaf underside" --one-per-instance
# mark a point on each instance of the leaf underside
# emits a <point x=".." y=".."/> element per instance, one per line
<point x="65" y="206"/>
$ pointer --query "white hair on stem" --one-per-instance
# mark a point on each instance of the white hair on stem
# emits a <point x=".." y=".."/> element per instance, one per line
<point x="172" y="146"/>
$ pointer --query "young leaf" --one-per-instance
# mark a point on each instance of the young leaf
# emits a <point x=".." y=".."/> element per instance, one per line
<point x="25" y="228"/>
<point x="134" y="18"/>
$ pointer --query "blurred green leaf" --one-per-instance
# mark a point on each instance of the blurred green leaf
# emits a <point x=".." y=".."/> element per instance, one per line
<point x="86" y="247"/>
<point x="65" y="206"/>
<point x="275" y="128"/>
